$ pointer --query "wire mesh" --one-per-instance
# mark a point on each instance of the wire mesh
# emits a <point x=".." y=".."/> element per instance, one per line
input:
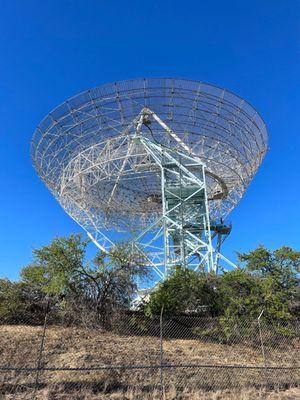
<point x="139" y="356"/>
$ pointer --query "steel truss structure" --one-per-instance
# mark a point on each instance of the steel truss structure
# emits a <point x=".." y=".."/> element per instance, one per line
<point x="167" y="154"/>
<point x="181" y="236"/>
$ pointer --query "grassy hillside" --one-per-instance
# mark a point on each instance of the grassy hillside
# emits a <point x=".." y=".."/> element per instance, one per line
<point x="71" y="347"/>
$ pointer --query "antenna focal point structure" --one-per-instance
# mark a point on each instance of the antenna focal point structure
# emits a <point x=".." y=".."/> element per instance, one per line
<point x="159" y="161"/>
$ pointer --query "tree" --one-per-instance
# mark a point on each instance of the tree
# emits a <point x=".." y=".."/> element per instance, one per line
<point x="278" y="273"/>
<point x="183" y="291"/>
<point x="241" y="293"/>
<point x="56" y="268"/>
<point x="282" y="264"/>
<point x="61" y="275"/>
<point x="75" y="287"/>
<point x="268" y="281"/>
<point x="111" y="282"/>
<point x="19" y="303"/>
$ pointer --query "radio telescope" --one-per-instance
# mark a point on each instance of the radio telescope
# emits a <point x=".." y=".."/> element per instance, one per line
<point x="162" y="161"/>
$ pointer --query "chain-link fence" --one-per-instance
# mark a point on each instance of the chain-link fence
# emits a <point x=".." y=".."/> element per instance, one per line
<point x="138" y="357"/>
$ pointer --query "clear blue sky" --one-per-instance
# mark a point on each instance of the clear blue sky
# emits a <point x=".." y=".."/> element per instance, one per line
<point x="51" y="50"/>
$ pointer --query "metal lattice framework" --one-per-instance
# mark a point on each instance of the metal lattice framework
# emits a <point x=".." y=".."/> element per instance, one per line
<point x="97" y="153"/>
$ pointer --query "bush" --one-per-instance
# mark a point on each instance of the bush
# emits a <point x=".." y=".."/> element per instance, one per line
<point x="186" y="291"/>
<point x="268" y="281"/>
<point x="20" y="304"/>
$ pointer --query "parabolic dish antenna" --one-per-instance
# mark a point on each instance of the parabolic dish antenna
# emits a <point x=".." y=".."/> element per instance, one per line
<point x="163" y="159"/>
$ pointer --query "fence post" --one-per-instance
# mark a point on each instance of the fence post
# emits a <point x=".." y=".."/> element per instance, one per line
<point x="162" y="377"/>
<point x="262" y="344"/>
<point x="41" y="350"/>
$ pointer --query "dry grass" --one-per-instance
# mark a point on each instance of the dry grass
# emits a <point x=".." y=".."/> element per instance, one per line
<point x="82" y="394"/>
<point x="77" y="347"/>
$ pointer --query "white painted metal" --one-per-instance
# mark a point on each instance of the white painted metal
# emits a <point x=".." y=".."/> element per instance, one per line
<point x="87" y="153"/>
